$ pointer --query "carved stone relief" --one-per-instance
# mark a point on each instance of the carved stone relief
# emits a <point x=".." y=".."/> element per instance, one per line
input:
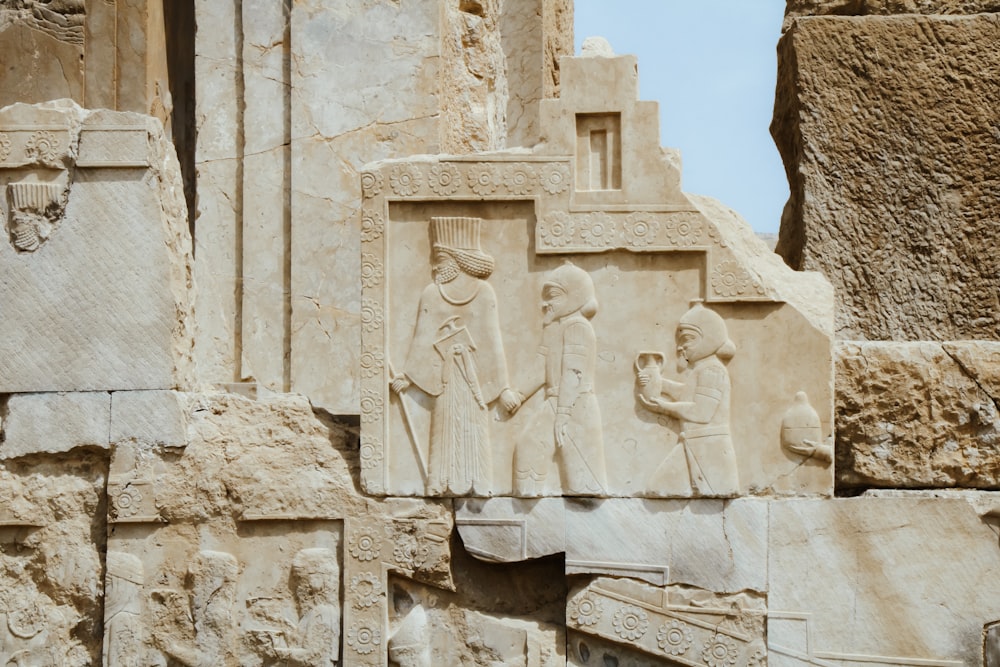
<point x="519" y="310"/>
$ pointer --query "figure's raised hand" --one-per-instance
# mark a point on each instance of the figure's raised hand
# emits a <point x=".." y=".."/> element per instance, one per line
<point x="643" y="378"/>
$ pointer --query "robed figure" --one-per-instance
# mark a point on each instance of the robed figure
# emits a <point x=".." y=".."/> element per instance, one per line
<point x="456" y="356"/>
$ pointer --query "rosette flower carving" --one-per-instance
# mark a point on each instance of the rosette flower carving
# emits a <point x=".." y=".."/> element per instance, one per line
<point x="371" y="270"/>
<point x="371" y="315"/>
<point x="42" y="146"/>
<point x="630" y="622"/>
<point x="366" y="589"/>
<point x="364" y="637"/>
<point x="640" y="230"/>
<point x="483" y="179"/>
<point x="674" y="637"/>
<point x="371" y="183"/>
<point x="557" y="229"/>
<point x="730" y="279"/>
<point x="127" y="502"/>
<point x="683" y="229"/>
<point x="365" y="546"/>
<point x="720" y="651"/>
<point x="444" y="179"/>
<point x="519" y="179"/>
<point x="556" y="179"/>
<point x="371" y="406"/>
<point x="371" y="452"/>
<point x="371" y="226"/>
<point x="585" y="609"/>
<point x="599" y="230"/>
<point x="372" y="362"/>
<point x="405" y="180"/>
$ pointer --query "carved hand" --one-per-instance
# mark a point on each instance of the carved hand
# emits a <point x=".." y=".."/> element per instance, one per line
<point x="656" y="404"/>
<point x="643" y="378"/>
<point x="562" y="421"/>
<point x="400" y="383"/>
<point x="808" y="448"/>
<point x="511" y="400"/>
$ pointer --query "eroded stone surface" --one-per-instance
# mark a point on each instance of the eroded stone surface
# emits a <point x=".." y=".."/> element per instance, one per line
<point x="885" y="124"/>
<point x="918" y="414"/>
<point x="52" y="530"/>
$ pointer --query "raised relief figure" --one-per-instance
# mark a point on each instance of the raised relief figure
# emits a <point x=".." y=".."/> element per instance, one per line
<point x="568" y="426"/>
<point x="199" y="632"/>
<point x="123" y="634"/>
<point x="314" y="640"/>
<point x="700" y="401"/>
<point x="456" y="356"/>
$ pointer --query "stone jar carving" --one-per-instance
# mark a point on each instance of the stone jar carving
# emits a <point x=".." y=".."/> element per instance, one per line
<point x="650" y="363"/>
<point x="802" y="433"/>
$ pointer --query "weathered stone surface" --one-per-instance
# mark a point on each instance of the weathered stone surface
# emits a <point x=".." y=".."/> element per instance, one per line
<point x="855" y="577"/>
<point x="802" y="8"/>
<point x="96" y="255"/>
<point x="53" y="423"/>
<point x="919" y="414"/>
<point x="52" y="529"/>
<point x="887" y="127"/>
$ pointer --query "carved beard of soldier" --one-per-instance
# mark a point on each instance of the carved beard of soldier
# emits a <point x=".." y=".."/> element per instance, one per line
<point x="445" y="266"/>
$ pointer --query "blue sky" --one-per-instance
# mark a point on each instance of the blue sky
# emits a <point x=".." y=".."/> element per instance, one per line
<point x="712" y="68"/>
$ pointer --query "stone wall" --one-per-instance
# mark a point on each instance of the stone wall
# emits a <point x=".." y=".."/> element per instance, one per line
<point x="447" y="369"/>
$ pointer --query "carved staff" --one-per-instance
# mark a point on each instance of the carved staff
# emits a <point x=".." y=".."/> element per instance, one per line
<point x="412" y="431"/>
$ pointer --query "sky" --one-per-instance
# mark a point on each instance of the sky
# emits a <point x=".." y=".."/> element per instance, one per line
<point x="712" y="68"/>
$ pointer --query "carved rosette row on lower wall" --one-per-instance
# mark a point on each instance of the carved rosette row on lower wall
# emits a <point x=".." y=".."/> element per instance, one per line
<point x="694" y="636"/>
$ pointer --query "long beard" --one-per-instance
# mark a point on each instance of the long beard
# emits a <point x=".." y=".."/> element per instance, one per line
<point x="446" y="273"/>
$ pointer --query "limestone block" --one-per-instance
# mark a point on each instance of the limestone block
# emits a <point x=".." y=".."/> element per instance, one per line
<point x="51" y="545"/>
<point x="52" y="423"/>
<point x="918" y="414"/>
<point x="847" y="583"/>
<point x="886" y="125"/>
<point x="96" y="256"/>
<point x="149" y="417"/>
<point x="512" y="344"/>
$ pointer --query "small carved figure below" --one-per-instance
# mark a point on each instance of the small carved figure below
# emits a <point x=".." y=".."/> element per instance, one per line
<point x="123" y="635"/>
<point x="456" y="356"/>
<point x="206" y="640"/>
<point x="314" y="640"/>
<point x="568" y="426"/>
<point x="700" y="401"/>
